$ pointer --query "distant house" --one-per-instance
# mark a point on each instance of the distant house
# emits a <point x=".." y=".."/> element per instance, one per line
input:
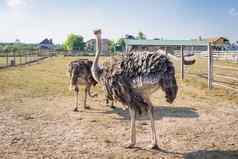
<point x="91" y="46"/>
<point x="219" y="43"/>
<point x="46" y="47"/>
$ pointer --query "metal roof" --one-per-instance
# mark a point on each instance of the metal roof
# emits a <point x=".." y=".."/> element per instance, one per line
<point x="130" y="42"/>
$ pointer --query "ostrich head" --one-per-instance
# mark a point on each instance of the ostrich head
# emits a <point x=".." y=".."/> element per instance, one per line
<point x="169" y="84"/>
<point x="98" y="33"/>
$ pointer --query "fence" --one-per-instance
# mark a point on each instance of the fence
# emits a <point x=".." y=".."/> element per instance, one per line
<point x="19" y="58"/>
<point x="221" y="55"/>
<point x="213" y="66"/>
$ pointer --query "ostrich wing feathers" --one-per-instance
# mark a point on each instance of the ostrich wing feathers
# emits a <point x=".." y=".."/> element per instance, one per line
<point x="135" y="70"/>
<point x="144" y="68"/>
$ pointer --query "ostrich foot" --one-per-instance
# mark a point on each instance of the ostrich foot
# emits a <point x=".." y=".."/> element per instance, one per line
<point x="113" y="107"/>
<point x="154" y="147"/>
<point x="130" y="146"/>
<point x="86" y="107"/>
<point x="76" y="110"/>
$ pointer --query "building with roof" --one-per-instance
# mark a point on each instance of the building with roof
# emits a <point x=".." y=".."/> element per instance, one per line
<point x="46" y="47"/>
<point x="219" y="43"/>
<point x="91" y="46"/>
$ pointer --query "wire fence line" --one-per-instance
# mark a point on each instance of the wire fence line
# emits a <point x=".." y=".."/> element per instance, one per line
<point x="20" y="58"/>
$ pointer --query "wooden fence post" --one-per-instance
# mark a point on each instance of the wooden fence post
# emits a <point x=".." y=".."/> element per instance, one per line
<point x="210" y="67"/>
<point x="7" y="60"/>
<point x="20" y="57"/>
<point x="166" y="51"/>
<point x="182" y="63"/>
<point x="14" y="57"/>
<point x="25" y="57"/>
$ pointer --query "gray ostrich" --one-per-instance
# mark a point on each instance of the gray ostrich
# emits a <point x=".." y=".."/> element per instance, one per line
<point x="80" y="74"/>
<point x="132" y="79"/>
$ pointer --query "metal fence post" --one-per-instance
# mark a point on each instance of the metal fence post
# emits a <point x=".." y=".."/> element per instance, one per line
<point x="166" y="51"/>
<point x="182" y="63"/>
<point x="210" y="66"/>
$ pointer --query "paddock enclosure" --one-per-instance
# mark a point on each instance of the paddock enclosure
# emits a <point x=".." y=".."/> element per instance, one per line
<point x="37" y="118"/>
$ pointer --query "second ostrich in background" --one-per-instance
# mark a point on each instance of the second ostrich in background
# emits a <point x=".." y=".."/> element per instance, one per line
<point x="133" y="78"/>
<point x="80" y="74"/>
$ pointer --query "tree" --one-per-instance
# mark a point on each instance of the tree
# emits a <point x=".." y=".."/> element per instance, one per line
<point x="117" y="45"/>
<point x="112" y="46"/>
<point x="141" y="36"/>
<point x="74" y="42"/>
<point x="121" y="44"/>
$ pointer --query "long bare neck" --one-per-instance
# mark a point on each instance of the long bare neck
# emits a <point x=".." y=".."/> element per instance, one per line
<point x="95" y="67"/>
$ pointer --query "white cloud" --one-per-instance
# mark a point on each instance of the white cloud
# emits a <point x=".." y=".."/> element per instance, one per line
<point x="233" y="12"/>
<point x="15" y="4"/>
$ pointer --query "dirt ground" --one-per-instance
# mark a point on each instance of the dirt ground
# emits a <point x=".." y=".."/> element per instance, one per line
<point x="39" y="122"/>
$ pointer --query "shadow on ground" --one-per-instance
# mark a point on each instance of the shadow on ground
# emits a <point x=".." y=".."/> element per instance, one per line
<point x="214" y="154"/>
<point x="159" y="113"/>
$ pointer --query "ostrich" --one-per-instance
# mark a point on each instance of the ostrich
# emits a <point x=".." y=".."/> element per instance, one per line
<point x="80" y="74"/>
<point x="132" y="79"/>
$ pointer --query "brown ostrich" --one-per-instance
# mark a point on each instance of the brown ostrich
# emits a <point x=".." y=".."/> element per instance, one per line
<point x="80" y="74"/>
<point x="132" y="79"/>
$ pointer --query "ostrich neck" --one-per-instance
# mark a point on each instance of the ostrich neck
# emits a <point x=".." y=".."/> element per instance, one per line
<point x="95" y="66"/>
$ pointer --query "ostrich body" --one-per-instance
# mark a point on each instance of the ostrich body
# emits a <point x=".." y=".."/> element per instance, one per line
<point x="133" y="78"/>
<point x="80" y="74"/>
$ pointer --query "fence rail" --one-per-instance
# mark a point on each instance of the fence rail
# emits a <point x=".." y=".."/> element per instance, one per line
<point x="19" y="58"/>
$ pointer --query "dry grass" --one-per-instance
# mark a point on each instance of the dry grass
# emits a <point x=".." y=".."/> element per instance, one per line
<point x="37" y="121"/>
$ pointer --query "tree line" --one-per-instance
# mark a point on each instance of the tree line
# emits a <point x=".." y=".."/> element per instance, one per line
<point x="76" y="42"/>
<point x="72" y="42"/>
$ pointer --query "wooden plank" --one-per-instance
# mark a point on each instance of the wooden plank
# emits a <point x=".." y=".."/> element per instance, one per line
<point x="221" y="85"/>
<point x="227" y="77"/>
<point x="226" y="67"/>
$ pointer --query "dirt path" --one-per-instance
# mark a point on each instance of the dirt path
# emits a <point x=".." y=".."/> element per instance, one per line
<point x="48" y="128"/>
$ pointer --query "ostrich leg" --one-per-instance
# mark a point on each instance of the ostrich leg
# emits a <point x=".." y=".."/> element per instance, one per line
<point x="89" y="92"/>
<point x="87" y="89"/>
<point x="76" y="94"/>
<point x="111" y="103"/>
<point x="133" y="128"/>
<point x="153" y="132"/>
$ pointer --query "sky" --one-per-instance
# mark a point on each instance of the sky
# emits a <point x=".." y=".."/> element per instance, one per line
<point x="33" y="20"/>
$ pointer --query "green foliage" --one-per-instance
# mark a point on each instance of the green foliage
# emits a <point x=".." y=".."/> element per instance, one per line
<point x="59" y="47"/>
<point x="117" y="45"/>
<point x="13" y="47"/>
<point x="74" y="42"/>
<point x="141" y="36"/>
